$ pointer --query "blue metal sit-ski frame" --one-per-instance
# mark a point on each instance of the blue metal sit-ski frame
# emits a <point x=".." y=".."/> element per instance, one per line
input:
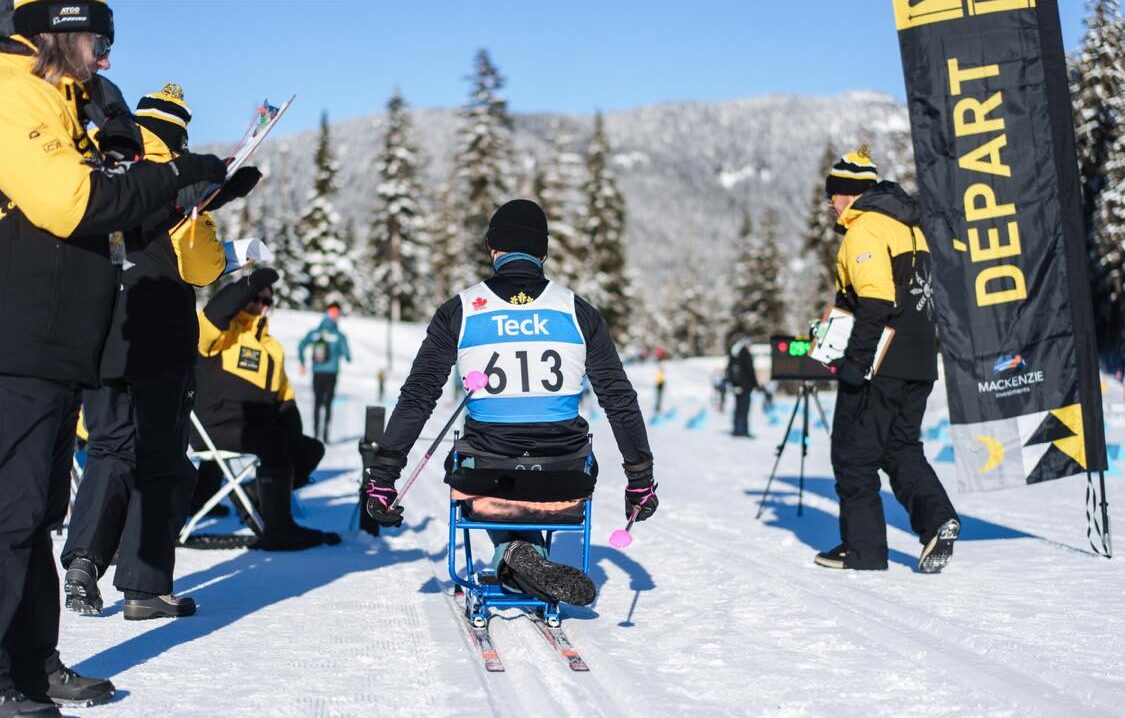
<point x="483" y="590"/>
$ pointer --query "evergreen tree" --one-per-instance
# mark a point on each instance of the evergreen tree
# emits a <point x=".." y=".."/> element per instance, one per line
<point x="398" y="245"/>
<point x="606" y="282"/>
<point x="691" y="312"/>
<point x="558" y="191"/>
<point x="328" y="267"/>
<point x="1096" y="92"/>
<point x="758" y="308"/>
<point x="447" y="255"/>
<point x="482" y="166"/>
<point x="1109" y="270"/>
<point x="821" y="240"/>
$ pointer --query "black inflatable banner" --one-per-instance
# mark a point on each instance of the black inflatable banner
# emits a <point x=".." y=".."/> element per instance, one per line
<point x="991" y="117"/>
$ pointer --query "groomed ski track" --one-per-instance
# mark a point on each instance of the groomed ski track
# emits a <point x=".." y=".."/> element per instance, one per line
<point x="709" y="613"/>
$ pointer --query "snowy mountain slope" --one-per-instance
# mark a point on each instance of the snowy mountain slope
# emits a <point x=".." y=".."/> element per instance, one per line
<point x="708" y="613"/>
<point x="687" y="169"/>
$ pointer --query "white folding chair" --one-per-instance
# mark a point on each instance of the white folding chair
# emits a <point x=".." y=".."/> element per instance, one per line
<point x="233" y="483"/>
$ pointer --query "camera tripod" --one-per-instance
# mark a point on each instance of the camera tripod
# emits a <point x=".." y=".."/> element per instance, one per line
<point x="808" y="390"/>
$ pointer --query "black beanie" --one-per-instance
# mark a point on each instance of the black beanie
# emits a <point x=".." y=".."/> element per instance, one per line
<point x="518" y="226"/>
<point x="37" y="16"/>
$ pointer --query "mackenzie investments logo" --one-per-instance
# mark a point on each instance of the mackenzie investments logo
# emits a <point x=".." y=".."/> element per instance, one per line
<point x="1010" y="376"/>
<point x="1008" y="363"/>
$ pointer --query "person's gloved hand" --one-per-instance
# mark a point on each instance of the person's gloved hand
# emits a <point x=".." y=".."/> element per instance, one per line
<point x="239" y="185"/>
<point x="381" y="493"/>
<point x="850" y="372"/>
<point x="640" y="491"/>
<point x="191" y="168"/>
<point x="118" y="136"/>
<point x="259" y="279"/>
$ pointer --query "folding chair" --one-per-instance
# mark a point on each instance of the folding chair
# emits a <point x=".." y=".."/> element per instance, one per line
<point x="233" y="483"/>
<point x="483" y="589"/>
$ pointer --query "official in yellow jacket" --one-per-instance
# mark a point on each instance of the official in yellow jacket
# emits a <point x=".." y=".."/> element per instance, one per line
<point x="246" y="403"/>
<point x="883" y="278"/>
<point x="138" y="480"/>
<point x="63" y="212"/>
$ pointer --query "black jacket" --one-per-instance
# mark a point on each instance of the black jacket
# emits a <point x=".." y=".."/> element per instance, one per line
<point x="438" y="354"/>
<point x="740" y="367"/>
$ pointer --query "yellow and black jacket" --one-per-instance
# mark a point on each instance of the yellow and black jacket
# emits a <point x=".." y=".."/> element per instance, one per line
<point x="57" y="209"/>
<point x="883" y="277"/>
<point x="241" y="371"/>
<point x="154" y="323"/>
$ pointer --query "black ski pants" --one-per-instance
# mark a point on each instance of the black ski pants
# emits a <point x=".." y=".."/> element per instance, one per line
<point x="37" y="423"/>
<point x="278" y="450"/>
<point x="742" y="402"/>
<point x="324" y="391"/>
<point x="138" y="480"/>
<point x="878" y="426"/>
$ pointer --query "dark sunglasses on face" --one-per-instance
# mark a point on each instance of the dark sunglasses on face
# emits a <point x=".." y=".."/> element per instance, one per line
<point x="264" y="301"/>
<point x="102" y="45"/>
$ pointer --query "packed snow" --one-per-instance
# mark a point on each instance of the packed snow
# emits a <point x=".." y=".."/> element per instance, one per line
<point x="709" y="613"/>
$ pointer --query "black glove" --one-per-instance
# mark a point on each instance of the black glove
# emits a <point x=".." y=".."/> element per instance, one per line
<point x="191" y="168"/>
<point x="259" y="279"/>
<point x="379" y="487"/>
<point x="118" y="136"/>
<point x="230" y="300"/>
<point x="850" y="372"/>
<point x="640" y="491"/>
<point x="239" y="185"/>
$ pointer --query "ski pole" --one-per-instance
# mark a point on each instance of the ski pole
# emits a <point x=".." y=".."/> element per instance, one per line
<point x="621" y="538"/>
<point x="474" y="380"/>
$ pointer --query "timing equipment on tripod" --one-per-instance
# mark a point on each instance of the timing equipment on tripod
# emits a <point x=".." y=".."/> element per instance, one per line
<point x="789" y="359"/>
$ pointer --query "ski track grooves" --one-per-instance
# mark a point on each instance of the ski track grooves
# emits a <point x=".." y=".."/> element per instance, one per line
<point x="888" y="624"/>
<point x="546" y="687"/>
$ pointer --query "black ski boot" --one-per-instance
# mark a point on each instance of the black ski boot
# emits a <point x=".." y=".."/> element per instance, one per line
<point x="553" y="582"/>
<point x="275" y="492"/>
<point x="14" y="704"/>
<point x="169" y="606"/>
<point x="64" y="687"/>
<point x="81" y="587"/>
<point x="939" y="549"/>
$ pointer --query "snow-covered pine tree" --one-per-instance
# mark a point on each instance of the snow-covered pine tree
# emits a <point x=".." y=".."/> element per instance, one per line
<point x="690" y="311"/>
<point x="605" y="282"/>
<point x="558" y="190"/>
<point x="398" y="243"/>
<point x="328" y="267"/>
<point x="447" y="254"/>
<point x="1109" y="270"/>
<point x="1096" y="89"/>
<point x="820" y="240"/>
<point x="482" y="167"/>
<point x="758" y="309"/>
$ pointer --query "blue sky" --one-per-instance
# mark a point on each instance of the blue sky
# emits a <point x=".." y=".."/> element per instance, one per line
<point x="347" y="56"/>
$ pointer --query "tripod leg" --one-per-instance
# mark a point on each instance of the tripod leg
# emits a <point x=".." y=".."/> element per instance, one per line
<point x="823" y="417"/>
<point x="779" y="450"/>
<point x="805" y="391"/>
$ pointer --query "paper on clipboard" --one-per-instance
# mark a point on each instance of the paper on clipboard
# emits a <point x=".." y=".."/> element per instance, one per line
<point x="831" y="334"/>
<point x="240" y="252"/>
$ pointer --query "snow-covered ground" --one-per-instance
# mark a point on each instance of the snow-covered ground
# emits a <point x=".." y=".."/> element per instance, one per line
<point x="709" y="613"/>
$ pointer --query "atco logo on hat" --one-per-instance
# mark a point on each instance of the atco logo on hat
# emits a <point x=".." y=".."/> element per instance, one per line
<point x="69" y="15"/>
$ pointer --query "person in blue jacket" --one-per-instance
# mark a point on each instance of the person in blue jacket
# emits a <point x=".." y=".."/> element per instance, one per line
<point x="329" y="345"/>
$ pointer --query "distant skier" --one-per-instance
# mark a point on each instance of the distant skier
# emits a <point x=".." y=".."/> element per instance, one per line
<point x="743" y="381"/>
<point x="661" y="379"/>
<point x="536" y="340"/>
<point x="329" y="345"/>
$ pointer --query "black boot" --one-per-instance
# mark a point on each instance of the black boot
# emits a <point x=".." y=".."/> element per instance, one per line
<point x="13" y="704"/>
<point x="144" y="607"/>
<point x="545" y="579"/>
<point x="275" y="494"/>
<point x="67" y="688"/>
<point x="832" y="558"/>
<point x="81" y="587"/>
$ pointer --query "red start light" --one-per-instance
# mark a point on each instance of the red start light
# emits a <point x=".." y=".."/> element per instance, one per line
<point x="832" y="369"/>
<point x="783" y="346"/>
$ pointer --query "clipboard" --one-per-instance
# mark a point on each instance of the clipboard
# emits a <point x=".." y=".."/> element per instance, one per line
<point x="831" y="334"/>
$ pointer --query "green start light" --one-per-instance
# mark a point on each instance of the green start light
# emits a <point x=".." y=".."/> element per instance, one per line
<point x="800" y="347"/>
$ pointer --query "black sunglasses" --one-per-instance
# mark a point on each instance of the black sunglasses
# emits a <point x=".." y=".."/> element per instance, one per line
<point x="264" y="301"/>
<point x="102" y="46"/>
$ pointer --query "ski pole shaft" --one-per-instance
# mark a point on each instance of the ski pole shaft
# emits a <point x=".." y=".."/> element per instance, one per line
<point x="473" y="380"/>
